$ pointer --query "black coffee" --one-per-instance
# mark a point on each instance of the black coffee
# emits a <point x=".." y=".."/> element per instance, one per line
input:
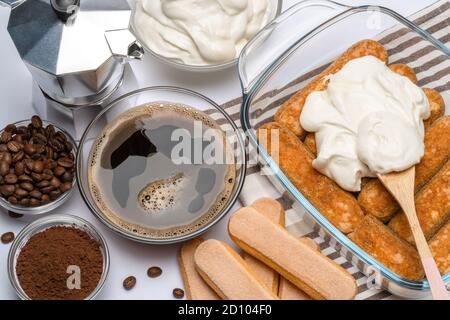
<point x="154" y="171"/>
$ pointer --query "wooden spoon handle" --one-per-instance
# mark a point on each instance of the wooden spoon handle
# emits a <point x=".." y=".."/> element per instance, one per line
<point x="437" y="286"/>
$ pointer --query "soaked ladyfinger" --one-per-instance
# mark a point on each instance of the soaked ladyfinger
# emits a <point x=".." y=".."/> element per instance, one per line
<point x="315" y="274"/>
<point x="288" y="116"/>
<point x="432" y="207"/>
<point x="380" y="242"/>
<point x="440" y="247"/>
<point x="295" y="160"/>
<point x="374" y="197"/>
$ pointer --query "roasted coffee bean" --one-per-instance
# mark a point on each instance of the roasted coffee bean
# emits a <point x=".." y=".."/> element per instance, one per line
<point x="4" y="168"/>
<point x="21" y="130"/>
<point x="50" y="131"/>
<point x="50" y="164"/>
<point x="178" y="293"/>
<point x="14" y="146"/>
<point x="29" y="148"/>
<point x="25" y="202"/>
<point x="129" y="282"/>
<point x="11" y="128"/>
<point x="36" y="176"/>
<point x="2" y="180"/>
<point x="57" y="145"/>
<point x="19" y="138"/>
<point x="5" y="137"/>
<point x="21" y="193"/>
<point x="19" y="168"/>
<point x="29" y="163"/>
<point x="36" y="156"/>
<point x="40" y="148"/>
<point x="7" y="237"/>
<point x="38" y="166"/>
<point x="59" y="171"/>
<point x="14" y="215"/>
<point x="27" y="186"/>
<point x="18" y="156"/>
<point x="34" y="202"/>
<point x="11" y="178"/>
<point x="45" y="198"/>
<point x="67" y="177"/>
<point x="60" y="136"/>
<point x="43" y="184"/>
<point x="12" y="200"/>
<point x="40" y="138"/>
<point x="7" y="190"/>
<point x="54" y="194"/>
<point x="36" y="122"/>
<point x="55" y="182"/>
<point x="154" y="272"/>
<point x="36" y="194"/>
<point x="69" y="146"/>
<point x="66" y="186"/>
<point x="48" y="189"/>
<point x="65" y="162"/>
<point x="6" y="156"/>
<point x="24" y="177"/>
<point x="3" y="148"/>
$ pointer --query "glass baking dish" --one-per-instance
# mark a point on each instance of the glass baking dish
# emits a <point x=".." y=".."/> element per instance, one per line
<point x="269" y="75"/>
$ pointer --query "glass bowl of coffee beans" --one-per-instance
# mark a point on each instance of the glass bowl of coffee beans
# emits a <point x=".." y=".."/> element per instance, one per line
<point x="58" y="257"/>
<point x="37" y="166"/>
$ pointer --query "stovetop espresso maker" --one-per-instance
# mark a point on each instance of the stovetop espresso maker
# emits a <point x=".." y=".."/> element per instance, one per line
<point x="76" y="50"/>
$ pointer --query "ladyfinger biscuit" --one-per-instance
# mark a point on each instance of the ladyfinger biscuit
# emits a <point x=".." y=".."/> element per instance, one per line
<point x="287" y="290"/>
<point x="338" y="205"/>
<point x="288" y="116"/>
<point x="381" y="243"/>
<point x="315" y="274"/>
<point x="196" y="288"/>
<point x="437" y="106"/>
<point x="310" y="142"/>
<point x="404" y="70"/>
<point x="440" y="247"/>
<point x="374" y="197"/>
<point x="228" y="274"/>
<point x="273" y="210"/>
<point x="432" y="207"/>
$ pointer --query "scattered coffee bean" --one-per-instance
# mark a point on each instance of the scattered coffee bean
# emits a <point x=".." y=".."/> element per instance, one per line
<point x="13" y="200"/>
<point x="154" y="272"/>
<point x="45" y="198"/>
<point x="66" y="186"/>
<point x="178" y="293"/>
<point x="7" y="237"/>
<point x="19" y="167"/>
<point x="27" y="186"/>
<point x="129" y="282"/>
<point x="15" y="215"/>
<point x="6" y="156"/>
<point x="3" y="148"/>
<point x="36" y="194"/>
<point x="67" y="177"/>
<point x="59" y="171"/>
<point x="18" y="156"/>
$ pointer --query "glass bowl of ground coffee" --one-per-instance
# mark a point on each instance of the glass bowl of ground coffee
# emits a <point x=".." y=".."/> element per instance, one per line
<point x="58" y="257"/>
<point x="37" y="166"/>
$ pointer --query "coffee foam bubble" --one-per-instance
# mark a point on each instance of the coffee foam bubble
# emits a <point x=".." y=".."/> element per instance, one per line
<point x="149" y="110"/>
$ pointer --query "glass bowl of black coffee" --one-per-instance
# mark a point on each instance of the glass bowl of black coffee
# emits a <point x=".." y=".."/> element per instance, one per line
<point x="161" y="165"/>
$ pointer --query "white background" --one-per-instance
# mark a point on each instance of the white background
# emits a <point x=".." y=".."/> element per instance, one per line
<point x="127" y="257"/>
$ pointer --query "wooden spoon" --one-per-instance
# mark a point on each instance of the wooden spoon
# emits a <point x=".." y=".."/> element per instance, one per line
<point x="401" y="186"/>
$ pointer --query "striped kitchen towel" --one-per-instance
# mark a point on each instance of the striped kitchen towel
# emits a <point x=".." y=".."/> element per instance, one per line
<point x="432" y="69"/>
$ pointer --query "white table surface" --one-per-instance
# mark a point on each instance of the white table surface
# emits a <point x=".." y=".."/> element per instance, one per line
<point x="127" y="257"/>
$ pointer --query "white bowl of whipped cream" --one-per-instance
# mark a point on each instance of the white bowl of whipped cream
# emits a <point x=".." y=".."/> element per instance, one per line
<point x="200" y="35"/>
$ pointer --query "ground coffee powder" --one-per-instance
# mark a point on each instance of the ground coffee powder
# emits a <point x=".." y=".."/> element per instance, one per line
<point x="60" y="263"/>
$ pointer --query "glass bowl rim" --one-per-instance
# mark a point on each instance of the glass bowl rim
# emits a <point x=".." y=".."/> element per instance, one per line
<point x="43" y="224"/>
<point x="52" y="205"/>
<point x="162" y="241"/>
<point x="191" y="67"/>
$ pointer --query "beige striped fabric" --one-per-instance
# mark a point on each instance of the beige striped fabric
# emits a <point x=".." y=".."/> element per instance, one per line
<point x="433" y="71"/>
